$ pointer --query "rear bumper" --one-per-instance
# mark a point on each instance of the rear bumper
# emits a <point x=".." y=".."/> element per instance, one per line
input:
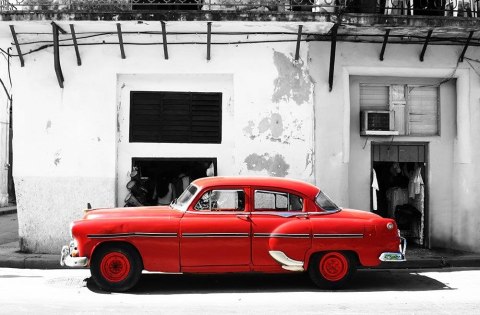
<point x="395" y="256"/>
<point x="66" y="258"/>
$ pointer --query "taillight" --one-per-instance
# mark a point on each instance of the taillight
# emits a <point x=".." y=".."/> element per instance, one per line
<point x="390" y="226"/>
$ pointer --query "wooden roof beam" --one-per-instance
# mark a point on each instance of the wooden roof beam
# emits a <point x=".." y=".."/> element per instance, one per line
<point x="17" y="46"/>
<point x="424" y="49"/>
<point x="462" y="55"/>
<point x="333" y="48"/>
<point x="299" y="38"/>
<point x="209" y="38"/>
<point x="56" y="54"/>
<point x="75" y="44"/>
<point x="164" y="41"/>
<point x="120" y="40"/>
<point x="384" y="45"/>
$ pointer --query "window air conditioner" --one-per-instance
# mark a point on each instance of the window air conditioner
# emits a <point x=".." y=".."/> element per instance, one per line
<point x="378" y="123"/>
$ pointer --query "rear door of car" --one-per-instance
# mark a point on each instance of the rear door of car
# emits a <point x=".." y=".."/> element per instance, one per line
<point x="215" y="231"/>
<point x="279" y="222"/>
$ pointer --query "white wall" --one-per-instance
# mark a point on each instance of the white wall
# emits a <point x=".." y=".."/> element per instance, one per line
<point x="70" y="144"/>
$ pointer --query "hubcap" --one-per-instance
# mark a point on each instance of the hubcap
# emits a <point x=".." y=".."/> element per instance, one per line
<point x="333" y="266"/>
<point x="115" y="267"/>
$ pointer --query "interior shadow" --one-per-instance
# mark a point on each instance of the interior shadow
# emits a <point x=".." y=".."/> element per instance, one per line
<point x="363" y="281"/>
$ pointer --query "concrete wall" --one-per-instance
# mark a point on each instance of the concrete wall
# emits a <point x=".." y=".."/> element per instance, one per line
<point x="342" y="162"/>
<point x="71" y="145"/>
<point x="4" y="124"/>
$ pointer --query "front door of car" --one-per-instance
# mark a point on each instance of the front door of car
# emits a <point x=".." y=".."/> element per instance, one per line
<point x="279" y="223"/>
<point x="215" y="232"/>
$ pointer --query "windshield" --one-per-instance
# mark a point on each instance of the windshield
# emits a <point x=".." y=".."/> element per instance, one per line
<point x="185" y="198"/>
<point x="325" y="203"/>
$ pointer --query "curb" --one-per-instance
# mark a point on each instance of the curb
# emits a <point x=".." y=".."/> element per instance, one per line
<point x="30" y="261"/>
<point x="52" y="261"/>
<point x="8" y="210"/>
<point x="433" y="263"/>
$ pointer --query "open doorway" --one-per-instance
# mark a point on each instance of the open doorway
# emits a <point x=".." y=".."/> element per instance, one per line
<point x="158" y="181"/>
<point x="399" y="187"/>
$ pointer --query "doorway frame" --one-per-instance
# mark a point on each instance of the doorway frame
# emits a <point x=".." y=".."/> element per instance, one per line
<point x="425" y="144"/>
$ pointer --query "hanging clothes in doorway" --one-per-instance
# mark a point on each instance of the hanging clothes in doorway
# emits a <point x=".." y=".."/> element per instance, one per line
<point x="375" y="188"/>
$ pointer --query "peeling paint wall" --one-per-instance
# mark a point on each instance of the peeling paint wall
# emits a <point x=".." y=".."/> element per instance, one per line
<point x="71" y="145"/>
<point x="279" y="133"/>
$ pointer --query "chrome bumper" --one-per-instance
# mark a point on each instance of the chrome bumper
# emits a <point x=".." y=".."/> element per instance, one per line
<point x="394" y="257"/>
<point x="66" y="258"/>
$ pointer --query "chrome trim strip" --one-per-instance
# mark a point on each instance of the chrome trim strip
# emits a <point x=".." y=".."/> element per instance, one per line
<point x="213" y="212"/>
<point x="283" y="214"/>
<point x="135" y="234"/>
<point x="193" y="235"/>
<point x="281" y="235"/>
<point x="286" y="262"/>
<point x="331" y="235"/>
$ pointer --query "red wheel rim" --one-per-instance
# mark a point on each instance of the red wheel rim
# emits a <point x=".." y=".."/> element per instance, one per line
<point x="333" y="266"/>
<point x="115" y="267"/>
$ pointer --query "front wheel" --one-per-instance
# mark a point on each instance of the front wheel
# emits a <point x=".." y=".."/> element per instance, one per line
<point x="331" y="270"/>
<point x="116" y="267"/>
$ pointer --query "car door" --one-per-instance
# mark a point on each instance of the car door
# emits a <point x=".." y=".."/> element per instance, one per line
<point x="215" y="232"/>
<point x="279" y="223"/>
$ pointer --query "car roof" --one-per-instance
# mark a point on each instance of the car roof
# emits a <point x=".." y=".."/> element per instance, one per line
<point x="266" y="182"/>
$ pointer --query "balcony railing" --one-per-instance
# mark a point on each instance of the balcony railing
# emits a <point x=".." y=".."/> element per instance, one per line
<point x="463" y="8"/>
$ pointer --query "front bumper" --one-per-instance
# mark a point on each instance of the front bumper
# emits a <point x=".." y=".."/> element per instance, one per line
<point x="66" y="258"/>
<point x="395" y="256"/>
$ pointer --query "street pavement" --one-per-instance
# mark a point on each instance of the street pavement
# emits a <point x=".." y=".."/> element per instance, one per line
<point x="11" y="257"/>
<point x="418" y="291"/>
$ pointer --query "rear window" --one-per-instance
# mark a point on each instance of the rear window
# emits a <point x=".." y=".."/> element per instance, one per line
<point x="325" y="203"/>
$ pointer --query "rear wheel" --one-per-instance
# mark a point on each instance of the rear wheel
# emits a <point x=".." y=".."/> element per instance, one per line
<point x="332" y="270"/>
<point x="116" y="267"/>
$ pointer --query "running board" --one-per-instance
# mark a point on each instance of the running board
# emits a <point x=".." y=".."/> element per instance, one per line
<point x="286" y="262"/>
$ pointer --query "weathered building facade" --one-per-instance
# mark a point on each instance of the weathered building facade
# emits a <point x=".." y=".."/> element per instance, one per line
<point x="264" y="90"/>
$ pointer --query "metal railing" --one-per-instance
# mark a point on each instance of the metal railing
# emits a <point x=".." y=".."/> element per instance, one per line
<point x="465" y="8"/>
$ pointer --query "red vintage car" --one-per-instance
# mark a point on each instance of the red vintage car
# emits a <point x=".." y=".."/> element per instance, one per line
<point x="233" y="224"/>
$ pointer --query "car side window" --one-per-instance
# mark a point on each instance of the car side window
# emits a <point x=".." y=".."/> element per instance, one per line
<point x="277" y="201"/>
<point x="222" y="200"/>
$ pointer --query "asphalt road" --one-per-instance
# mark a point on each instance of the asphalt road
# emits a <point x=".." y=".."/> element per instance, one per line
<point x="444" y="291"/>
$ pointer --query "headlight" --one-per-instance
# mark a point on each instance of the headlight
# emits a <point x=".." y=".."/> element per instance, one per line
<point x="390" y="226"/>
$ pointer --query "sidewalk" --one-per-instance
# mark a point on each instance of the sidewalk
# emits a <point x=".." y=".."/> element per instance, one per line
<point x="10" y="257"/>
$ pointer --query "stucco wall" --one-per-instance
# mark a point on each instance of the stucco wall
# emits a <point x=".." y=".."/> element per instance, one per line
<point x="343" y="166"/>
<point x="70" y="149"/>
<point x="71" y="145"/>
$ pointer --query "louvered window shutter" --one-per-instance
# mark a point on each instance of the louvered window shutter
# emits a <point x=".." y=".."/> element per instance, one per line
<point x="175" y="117"/>
<point x="374" y="97"/>
<point x="423" y="110"/>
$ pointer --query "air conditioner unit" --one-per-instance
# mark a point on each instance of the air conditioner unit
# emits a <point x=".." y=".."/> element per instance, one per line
<point x="378" y="123"/>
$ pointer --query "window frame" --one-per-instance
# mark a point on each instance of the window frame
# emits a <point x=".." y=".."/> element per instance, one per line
<point x="394" y="101"/>
<point x="274" y="191"/>
<point x="216" y="210"/>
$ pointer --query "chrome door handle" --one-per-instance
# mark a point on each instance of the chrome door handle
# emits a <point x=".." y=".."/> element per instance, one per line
<point x="302" y="216"/>
<point x="245" y="217"/>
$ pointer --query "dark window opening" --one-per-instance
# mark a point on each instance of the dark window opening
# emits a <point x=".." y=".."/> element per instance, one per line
<point x="175" y="117"/>
<point x="158" y="181"/>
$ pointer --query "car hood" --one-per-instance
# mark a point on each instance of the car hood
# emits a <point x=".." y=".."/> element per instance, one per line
<point x="134" y="212"/>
